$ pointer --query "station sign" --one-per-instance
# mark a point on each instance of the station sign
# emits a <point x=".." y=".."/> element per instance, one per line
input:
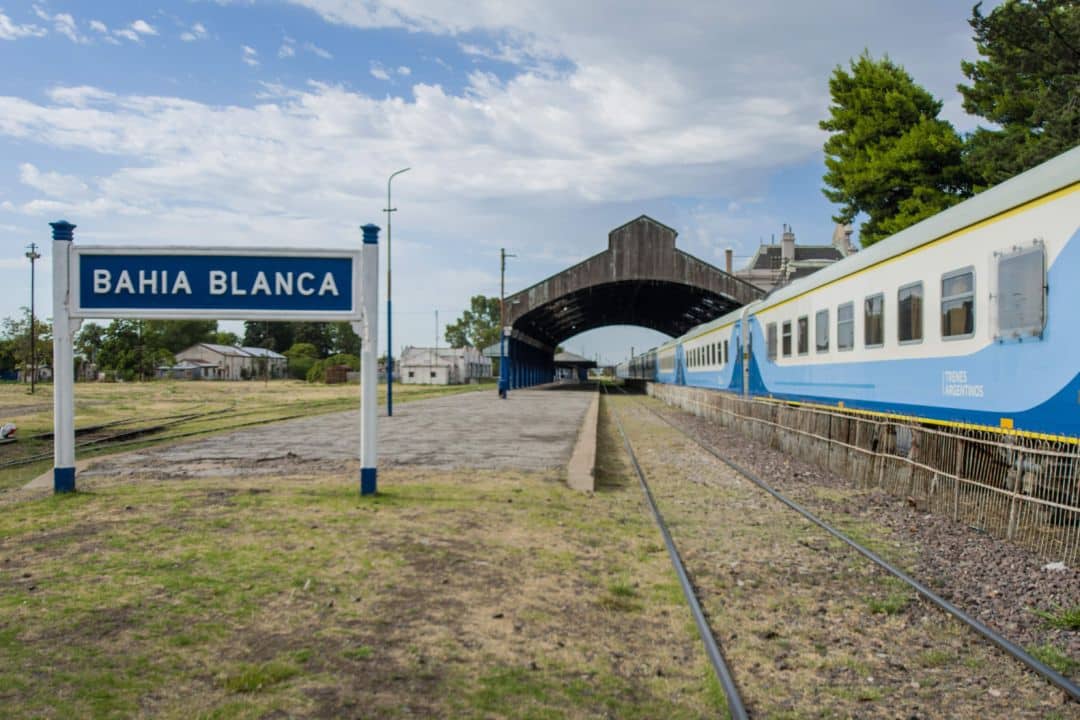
<point x="215" y="283"/>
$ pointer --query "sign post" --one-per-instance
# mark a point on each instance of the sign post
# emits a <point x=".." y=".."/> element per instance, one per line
<point x="203" y="283"/>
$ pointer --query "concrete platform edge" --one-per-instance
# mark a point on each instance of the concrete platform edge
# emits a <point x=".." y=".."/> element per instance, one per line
<point x="580" y="471"/>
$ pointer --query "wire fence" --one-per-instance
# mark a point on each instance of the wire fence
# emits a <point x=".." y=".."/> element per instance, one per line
<point x="1022" y="490"/>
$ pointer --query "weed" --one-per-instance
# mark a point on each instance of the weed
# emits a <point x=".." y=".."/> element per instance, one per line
<point x="1054" y="657"/>
<point x="253" y="678"/>
<point x="1066" y="619"/>
<point x="934" y="658"/>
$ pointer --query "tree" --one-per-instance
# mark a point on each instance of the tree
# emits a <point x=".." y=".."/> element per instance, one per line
<point x="225" y="337"/>
<point x="178" y="335"/>
<point x="16" y="331"/>
<point x="478" y="326"/>
<point x="301" y="357"/>
<point x="128" y="353"/>
<point x="343" y="339"/>
<point x="889" y="155"/>
<point x="315" y="333"/>
<point x="276" y="336"/>
<point x="1027" y="83"/>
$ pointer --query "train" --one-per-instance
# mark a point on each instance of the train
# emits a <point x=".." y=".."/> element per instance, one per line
<point x="965" y="319"/>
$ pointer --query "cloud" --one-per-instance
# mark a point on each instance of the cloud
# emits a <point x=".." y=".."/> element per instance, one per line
<point x="316" y="50"/>
<point x="98" y="26"/>
<point x="9" y="30"/>
<point x="64" y="24"/>
<point x="197" y="32"/>
<point x="379" y="72"/>
<point x="143" y="28"/>
<point x="286" y="51"/>
<point x="250" y="56"/>
<point x="404" y="70"/>
<point x="53" y="184"/>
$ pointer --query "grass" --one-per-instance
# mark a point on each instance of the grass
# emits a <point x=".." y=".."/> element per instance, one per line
<point x="292" y="596"/>
<point x="1065" y="619"/>
<point x="894" y="601"/>
<point x="1054" y="657"/>
<point x="217" y="406"/>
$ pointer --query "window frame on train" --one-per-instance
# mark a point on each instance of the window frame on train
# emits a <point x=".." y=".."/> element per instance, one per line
<point x="841" y="323"/>
<point x="771" y="343"/>
<point x="785" y="338"/>
<point x="879" y="321"/>
<point x="952" y="300"/>
<point x="1018" y="298"/>
<point x="916" y="316"/>
<point x="802" y="343"/>
<point x="821" y="331"/>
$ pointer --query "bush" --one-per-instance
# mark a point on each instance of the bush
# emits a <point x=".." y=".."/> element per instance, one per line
<point x="317" y="371"/>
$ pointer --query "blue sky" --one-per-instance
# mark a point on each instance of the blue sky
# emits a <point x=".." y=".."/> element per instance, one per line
<point x="535" y="125"/>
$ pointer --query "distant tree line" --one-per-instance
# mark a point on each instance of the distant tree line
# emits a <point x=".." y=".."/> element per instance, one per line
<point x="890" y="157"/>
<point x="134" y="349"/>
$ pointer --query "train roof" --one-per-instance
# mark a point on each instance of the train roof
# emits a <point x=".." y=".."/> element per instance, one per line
<point x="1054" y="174"/>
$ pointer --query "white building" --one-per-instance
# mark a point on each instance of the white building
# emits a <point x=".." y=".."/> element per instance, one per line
<point x="445" y="366"/>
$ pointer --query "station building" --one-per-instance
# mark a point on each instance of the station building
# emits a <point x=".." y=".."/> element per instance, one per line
<point x="442" y="366"/>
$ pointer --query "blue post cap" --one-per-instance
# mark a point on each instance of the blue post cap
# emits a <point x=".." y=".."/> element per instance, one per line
<point x="63" y="230"/>
<point x="371" y="234"/>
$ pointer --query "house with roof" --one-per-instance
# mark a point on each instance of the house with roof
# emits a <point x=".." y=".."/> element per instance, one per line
<point x="775" y="265"/>
<point x="442" y="366"/>
<point x="210" y="361"/>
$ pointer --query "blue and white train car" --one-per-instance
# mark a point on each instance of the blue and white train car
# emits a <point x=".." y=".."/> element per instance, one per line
<point x="971" y="317"/>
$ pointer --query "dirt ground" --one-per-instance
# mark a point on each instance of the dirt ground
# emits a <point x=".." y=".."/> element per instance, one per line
<point x="811" y="629"/>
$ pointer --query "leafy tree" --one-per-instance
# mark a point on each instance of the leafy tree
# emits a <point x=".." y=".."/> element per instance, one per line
<point x="889" y="155"/>
<point x="478" y="326"/>
<point x="343" y="339"/>
<point x="1027" y="83"/>
<point x="225" y="337"/>
<point x="16" y="331"/>
<point x="301" y="357"/>
<point x="88" y="341"/>
<point x="315" y="333"/>
<point x="276" y="336"/>
<point x="178" y="335"/>
<point x="128" y="353"/>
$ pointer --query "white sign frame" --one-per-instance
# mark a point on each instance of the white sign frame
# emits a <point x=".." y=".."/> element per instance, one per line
<point x="77" y="311"/>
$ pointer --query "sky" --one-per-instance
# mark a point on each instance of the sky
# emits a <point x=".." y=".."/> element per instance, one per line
<point x="534" y="125"/>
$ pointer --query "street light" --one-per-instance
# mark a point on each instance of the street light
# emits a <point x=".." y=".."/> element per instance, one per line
<point x="504" y="376"/>
<point x="33" y="254"/>
<point x="389" y="321"/>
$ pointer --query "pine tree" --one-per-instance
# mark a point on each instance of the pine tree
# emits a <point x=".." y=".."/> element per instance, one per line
<point x="1027" y="83"/>
<point x="889" y="156"/>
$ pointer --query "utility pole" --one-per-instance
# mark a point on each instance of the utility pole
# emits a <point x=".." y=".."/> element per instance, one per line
<point x="504" y="376"/>
<point x="437" y="344"/>
<point x="34" y="255"/>
<point x="389" y="320"/>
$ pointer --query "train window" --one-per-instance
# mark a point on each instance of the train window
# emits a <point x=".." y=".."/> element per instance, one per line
<point x="785" y="338"/>
<point x="1021" y="292"/>
<point x="874" y="316"/>
<point x="821" y="331"/>
<point x="845" y="326"/>
<point x="909" y="312"/>
<point x="726" y="353"/>
<point x="958" y="304"/>
<point x="804" y="335"/>
<point x="770" y="336"/>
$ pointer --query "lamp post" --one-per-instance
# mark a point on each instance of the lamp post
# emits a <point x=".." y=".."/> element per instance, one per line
<point x="504" y="376"/>
<point x="389" y="322"/>
<point x="33" y="254"/>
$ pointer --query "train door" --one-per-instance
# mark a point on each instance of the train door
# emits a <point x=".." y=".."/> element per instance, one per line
<point x="747" y="352"/>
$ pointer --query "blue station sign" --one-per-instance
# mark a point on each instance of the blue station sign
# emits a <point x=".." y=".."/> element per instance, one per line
<point x="213" y="283"/>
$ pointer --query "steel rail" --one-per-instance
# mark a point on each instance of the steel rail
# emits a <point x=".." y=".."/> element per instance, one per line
<point x="1014" y="650"/>
<point x="723" y="673"/>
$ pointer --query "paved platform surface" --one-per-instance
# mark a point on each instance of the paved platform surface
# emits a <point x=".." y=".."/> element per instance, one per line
<point x="531" y="430"/>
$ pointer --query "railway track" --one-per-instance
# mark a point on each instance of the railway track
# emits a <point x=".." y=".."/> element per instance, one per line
<point x="723" y="671"/>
